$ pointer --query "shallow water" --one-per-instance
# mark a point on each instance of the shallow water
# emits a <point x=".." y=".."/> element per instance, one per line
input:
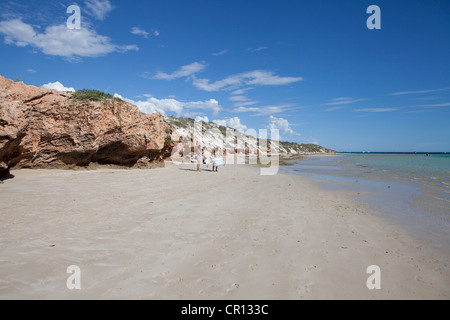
<point x="410" y="189"/>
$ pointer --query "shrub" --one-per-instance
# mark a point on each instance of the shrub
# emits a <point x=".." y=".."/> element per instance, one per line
<point x="92" y="95"/>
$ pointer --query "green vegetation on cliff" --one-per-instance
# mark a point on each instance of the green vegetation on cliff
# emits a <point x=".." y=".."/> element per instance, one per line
<point x="92" y="95"/>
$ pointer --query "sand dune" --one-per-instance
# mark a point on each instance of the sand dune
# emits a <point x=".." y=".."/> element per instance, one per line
<point x="174" y="233"/>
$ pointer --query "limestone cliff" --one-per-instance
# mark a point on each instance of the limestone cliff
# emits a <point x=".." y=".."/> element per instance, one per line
<point x="233" y="141"/>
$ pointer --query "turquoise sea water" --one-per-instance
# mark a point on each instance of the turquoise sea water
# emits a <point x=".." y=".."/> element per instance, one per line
<point x="412" y="189"/>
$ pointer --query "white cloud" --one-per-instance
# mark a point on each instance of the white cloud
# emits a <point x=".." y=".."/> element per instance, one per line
<point x="184" y="71"/>
<point x="60" y="41"/>
<point x="333" y="109"/>
<point x="256" y="77"/>
<point x="220" y="53"/>
<point x="238" y="98"/>
<point x="376" y="110"/>
<point x="263" y="111"/>
<point x="258" y="49"/>
<point x="152" y="105"/>
<point x="234" y="123"/>
<point x="272" y="110"/>
<point x="140" y="32"/>
<point x="146" y="75"/>
<point x="57" y="86"/>
<point x="204" y="119"/>
<point x="18" y="33"/>
<point x="98" y="8"/>
<point x="341" y="101"/>
<point x="31" y="70"/>
<point x="418" y="91"/>
<point x="282" y="125"/>
<point x="243" y="104"/>
<point x="211" y="104"/>
<point x="246" y="109"/>
<point x="436" y="105"/>
<point x="241" y="91"/>
<point x="116" y="95"/>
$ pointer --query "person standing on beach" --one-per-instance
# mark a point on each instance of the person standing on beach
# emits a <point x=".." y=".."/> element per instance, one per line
<point x="217" y="155"/>
<point x="206" y="156"/>
<point x="213" y="155"/>
<point x="198" y="157"/>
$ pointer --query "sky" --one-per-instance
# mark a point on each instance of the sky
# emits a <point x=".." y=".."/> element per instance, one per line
<point x="312" y="69"/>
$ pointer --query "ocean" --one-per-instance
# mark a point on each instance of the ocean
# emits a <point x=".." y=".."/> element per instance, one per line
<point x="410" y="189"/>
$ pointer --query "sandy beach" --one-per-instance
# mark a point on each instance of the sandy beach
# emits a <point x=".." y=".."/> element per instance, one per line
<point x="173" y="233"/>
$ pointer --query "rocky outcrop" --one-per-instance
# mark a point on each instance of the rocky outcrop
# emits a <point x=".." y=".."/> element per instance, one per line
<point x="42" y="128"/>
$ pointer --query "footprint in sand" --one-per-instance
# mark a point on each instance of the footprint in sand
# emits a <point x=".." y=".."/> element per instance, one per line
<point x="252" y="266"/>
<point x="310" y="268"/>
<point x="233" y="287"/>
<point x="111" y="290"/>
<point x="304" y="289"/>
<point x="419" y="279"/>
<point x="174" y="281"/>
<point x="164" y="273"/>
<point x="200" y="262"/>
<point x="217" y="266"/>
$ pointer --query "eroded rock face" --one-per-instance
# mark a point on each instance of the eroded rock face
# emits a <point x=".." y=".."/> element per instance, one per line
<point x="41" y="128"/>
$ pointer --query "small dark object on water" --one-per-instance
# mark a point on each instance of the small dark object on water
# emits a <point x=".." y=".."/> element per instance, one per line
<point x="389" y="187"/>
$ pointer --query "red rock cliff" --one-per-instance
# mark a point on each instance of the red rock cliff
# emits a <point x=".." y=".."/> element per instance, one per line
<point x="41" y="128"/>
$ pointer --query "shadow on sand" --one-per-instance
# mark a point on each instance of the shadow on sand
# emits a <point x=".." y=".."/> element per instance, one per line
<point x="8" y="176"/>
<point x="195" y="170"/>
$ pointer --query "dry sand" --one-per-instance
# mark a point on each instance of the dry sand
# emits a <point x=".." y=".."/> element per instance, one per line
<point x="174" y="233"/>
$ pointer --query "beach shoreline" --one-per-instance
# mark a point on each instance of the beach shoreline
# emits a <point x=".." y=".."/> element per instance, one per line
<point x="173" y="233"/>
<point x="407" y="200"/>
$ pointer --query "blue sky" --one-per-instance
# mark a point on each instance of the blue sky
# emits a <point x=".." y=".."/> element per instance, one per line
<point x="310" y="68"/>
